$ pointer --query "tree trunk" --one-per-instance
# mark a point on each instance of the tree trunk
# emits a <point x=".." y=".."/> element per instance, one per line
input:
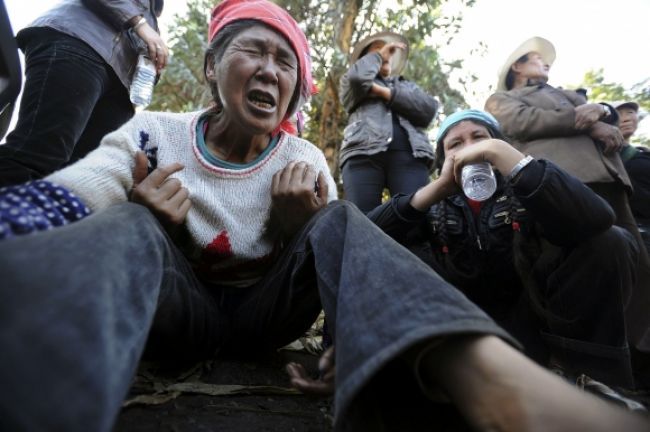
<point x="329" y="135"/>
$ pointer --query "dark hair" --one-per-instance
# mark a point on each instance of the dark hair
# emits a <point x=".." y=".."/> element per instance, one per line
<point x="510" y="77"/>
<point x="440" y="147"/>
<point x="216" y="49"/>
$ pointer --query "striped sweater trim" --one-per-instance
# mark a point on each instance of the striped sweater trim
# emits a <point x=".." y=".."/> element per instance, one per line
<point x="225" y="172"/>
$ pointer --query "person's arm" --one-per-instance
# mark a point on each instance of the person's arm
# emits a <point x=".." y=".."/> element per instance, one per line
<point x="524" y="122"/>
<point x="412" y="103"/>
<point x="104" y="177"/>
<point x="567" y="210"/>
<point x="609" y="136"/>
<point x="164" y="196"/>
<point x="97" y="181"/>
<point x="355" y="84"/>
<point x="298" y="192"/>
<point x="127" y="14"/>
<point x="120" y="14"/>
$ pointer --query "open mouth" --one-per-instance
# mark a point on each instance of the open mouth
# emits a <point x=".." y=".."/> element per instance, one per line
<point x="261" y="99"/>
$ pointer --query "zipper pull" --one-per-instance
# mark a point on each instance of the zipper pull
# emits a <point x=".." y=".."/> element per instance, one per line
<point x="478" y="243"/>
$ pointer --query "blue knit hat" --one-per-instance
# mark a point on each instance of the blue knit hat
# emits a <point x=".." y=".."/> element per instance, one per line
<point x="452" y="120"/>
<point x="471" y="114"/>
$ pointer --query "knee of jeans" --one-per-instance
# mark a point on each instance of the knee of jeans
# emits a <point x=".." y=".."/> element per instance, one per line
<point x="341" y="208"/>
<point x="135" y="215"/>
<point x="334" y="216"/>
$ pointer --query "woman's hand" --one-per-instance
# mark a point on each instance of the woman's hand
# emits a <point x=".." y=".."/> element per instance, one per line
<point x="324" y="385"/>
<point x="157" y="48"/>
<point x="387" y="51"/>
<point x="165" y="197"/>
<point x="499" y="153"/>
<point x="439" y="189"/>
<point x="587" y="115"/>
<point x="298" y="191"/>
<point x="609" y="135"/>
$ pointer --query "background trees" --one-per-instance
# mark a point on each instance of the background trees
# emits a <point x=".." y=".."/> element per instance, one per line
<point x="600" y="91"/>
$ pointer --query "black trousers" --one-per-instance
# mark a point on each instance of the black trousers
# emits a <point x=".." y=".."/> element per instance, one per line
<point x="365" y="177"/>
<point x="71" y="99"/>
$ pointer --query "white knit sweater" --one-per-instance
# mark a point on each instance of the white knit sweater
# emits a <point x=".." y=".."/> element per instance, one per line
<point x="225" y="225"/>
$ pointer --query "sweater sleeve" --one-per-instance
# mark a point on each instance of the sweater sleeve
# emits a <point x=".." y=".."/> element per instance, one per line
<point x="105" y="176"/>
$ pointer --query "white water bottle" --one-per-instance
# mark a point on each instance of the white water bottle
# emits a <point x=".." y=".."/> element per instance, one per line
<point x="478" y="181"/>
<point x="142" y="83"/>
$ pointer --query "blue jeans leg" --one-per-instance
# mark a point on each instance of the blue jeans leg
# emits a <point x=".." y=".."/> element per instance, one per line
<point x="379" y="299"/>
<point x="74" y="319"/>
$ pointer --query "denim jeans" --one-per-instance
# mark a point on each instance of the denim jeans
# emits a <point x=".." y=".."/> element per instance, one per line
<point x="78" y="303"/>
<point x="365" y="177"/>
<point x="71" y="99"/>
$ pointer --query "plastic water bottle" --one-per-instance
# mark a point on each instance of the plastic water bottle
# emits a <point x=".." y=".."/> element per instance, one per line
<point x="478" y="181"/>
<point x="142" y="83"/>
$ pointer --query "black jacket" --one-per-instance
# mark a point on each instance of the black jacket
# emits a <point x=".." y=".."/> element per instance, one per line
<point x="370" y="126"/>
<point x="490" y="255"/>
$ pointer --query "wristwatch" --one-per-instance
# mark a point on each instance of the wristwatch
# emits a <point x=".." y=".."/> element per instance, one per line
<point x="517" y="168"/>
<point x="608" y="112"/>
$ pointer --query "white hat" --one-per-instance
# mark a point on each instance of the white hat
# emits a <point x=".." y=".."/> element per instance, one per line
<point x="534" y="44"/>
<point x="621" y="104"/>
<point x="398" y="59"/>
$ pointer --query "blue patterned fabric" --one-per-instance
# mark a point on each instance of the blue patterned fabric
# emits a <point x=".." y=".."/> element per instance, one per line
<point x="37" y="206"/>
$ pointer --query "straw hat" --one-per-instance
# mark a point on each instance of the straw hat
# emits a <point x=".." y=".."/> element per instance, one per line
<point x="398" y="60"/>
<point x="534" y="44"/>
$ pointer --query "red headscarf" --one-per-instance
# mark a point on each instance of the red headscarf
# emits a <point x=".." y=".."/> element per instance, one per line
<point x="278" y="19"/>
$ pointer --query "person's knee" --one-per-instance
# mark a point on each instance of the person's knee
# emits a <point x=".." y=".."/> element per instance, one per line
<point x="339" y="209"/>
<point x="333" y="219"/>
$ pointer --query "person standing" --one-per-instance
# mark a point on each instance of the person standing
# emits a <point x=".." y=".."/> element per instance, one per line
<point x="581" y="138"/>
<point x="79" y="60"/>
<point x="384" y="144"/>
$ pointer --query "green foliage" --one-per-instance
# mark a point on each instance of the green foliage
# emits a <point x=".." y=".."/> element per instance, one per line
<point x="601" y="91"/>
<point x="182" y="86"/>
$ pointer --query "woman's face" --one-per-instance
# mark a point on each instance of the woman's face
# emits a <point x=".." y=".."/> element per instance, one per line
<point x="628" y="120"/>
<point x="385" y="68"/>
<point x="256" y="79"/>
<point x="535" y="68"/>
<point x="464" y="134"/>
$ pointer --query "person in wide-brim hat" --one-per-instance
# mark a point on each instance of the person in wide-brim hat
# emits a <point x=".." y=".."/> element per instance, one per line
<point x="398" y="59"/>
<point x="535" y="44"/>
<point x="386" y="112"/>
